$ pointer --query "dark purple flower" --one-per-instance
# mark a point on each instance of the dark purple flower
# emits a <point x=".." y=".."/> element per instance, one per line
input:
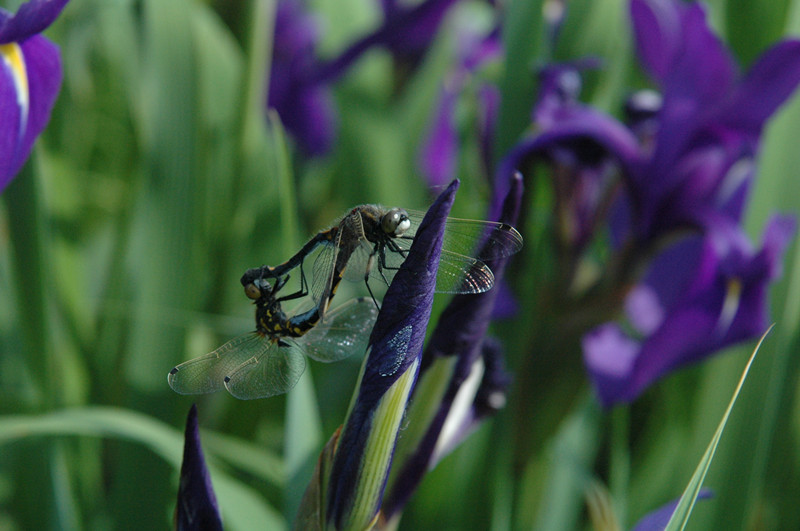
<point x="406" y="31"/>
<point x="197" y="505"/>
<point x="439" y="157"/>
<point x="658" y="519"/>
<point x="409" y="28"/>
<point x="300" y="82"/>
<point x="583" y="169"/>
<point x="699" y="296"/>
<point x="440" y="150"/>
<point x="30" y="78"/>
<point x="364" y="453"/>
<point x="697" y="161"/>
<point x="475" y="387"/>
<point x="710" y="121"/>
<point x="304" y="104"/>
<point x="685" y="161"/>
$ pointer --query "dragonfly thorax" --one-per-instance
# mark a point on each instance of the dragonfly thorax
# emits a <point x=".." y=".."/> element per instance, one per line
<point x="395" y="222"/>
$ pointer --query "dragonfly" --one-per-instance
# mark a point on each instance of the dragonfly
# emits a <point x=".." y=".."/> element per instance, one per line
<point x="270" y="361"/>
<point x="372" y="241"/>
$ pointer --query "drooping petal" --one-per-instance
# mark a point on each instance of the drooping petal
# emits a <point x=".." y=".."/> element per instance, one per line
<point x="717" y="299"/>
<point x="30" y="79"/>
<point x="668" y="34"/>
<point x="304" y="104"/>
<point x="764" y="88"/>
<point x="587" y="134"/>
<point x="408" y="30"/>
<point x="197" y="505"/>
<point x="609" y="356"/>
<point x="363" y="457"/>
<point x="658" y="37"/>
<point x="440" y="150"/>
<point x="31" y="18"/>
<point x="439" y="156"/>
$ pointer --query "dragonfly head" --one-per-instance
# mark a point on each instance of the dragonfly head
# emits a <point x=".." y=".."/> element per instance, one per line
<point x="252" y="291"/>
<point x="256" y="283"/>
<point x="260" y="287"/>
<point x="395" y="222"/>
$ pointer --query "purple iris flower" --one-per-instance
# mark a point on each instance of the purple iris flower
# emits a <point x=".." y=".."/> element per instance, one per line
<point x="364" y="452"/>
<point x="440" y="150"/>
<point x="300" y="82"/>
<point x="304" y="104"/>
<point x="30" y="78"/>
<point x="477" y="384"/>
<point x="197" y="504"/>
<point x="408" y="29"/>
<point x="685" y="162"/>
<point x="708" y="126"/>
<point x="699" y="296"/>
<point x="582" y="144"/>
<point x="710" y="121"/>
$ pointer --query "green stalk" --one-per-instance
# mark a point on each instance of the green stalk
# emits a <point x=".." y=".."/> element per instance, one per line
<point x="28" y="235"/>
<point x="620" y="470"/>
<point x="262" y="136"/>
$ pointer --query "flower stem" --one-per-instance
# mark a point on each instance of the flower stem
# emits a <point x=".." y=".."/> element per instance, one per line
<point x="620" y="466"/>
<point x="27" y="233"/>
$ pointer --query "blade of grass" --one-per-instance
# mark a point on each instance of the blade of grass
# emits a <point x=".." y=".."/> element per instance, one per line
<point x="777" y="163"/>
<point x="240" y="505"/>
<point x="572" y="452"/>
<point x="26" y="226"/>
<point x="303" y="437"/>
<point x="163" y="253"/>
<point x="523" y="42"/>
<point x="684" y="509"/>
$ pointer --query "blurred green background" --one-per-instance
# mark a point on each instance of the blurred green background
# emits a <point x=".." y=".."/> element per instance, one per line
<point x="160" y="180"/>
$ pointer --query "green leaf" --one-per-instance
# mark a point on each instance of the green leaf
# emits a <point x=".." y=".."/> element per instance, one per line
<point x="684" y="509"/>
<point x="240" y="505"/>
<point x="573" y="450"/>
<point x="523" y="47"/>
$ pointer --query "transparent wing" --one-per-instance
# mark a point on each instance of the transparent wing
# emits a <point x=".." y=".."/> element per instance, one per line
<point x="206" y="374"/>
<point x="348" y="256"/>
<point x="457" y="273"/>
<point x="360" y="261"/>
<point x="322" y="273"/>
<point x="462" y="274"/>
<point x="344" y="332"/>
<point x="274" y="371"/>
<point x="484" y="240"/>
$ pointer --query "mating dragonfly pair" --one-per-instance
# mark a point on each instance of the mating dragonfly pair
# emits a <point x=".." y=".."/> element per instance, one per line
<point x="368" y="242"/>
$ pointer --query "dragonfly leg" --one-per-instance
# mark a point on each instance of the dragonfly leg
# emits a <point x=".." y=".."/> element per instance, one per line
<point x="366" y="281"/>
<point x="382" y="265"/>
<point x="370" y="264"/>
<point x="396" y="248"/>
<point x="302" y="292"/>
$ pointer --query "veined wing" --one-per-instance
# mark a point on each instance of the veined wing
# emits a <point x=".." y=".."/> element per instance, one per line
<point x="206" y="374"/>
<point x="340" y="259"/>
<point x="323" y="270"/>
<point x="484" y="240"/>
<point x="274" y="371"/>
<point x="344" y="331"/>
<point x="360" y="260"/>
<point x="457" y="273"/>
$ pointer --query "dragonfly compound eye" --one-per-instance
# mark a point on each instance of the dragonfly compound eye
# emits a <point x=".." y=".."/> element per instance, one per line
<point x="395" y="222"/>
<point x="252" y="291"/>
